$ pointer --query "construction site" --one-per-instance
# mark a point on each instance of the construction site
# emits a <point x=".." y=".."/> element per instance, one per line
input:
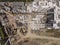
<point x="31" y="23"/>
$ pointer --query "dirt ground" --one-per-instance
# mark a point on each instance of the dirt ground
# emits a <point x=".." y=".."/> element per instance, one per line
<point x="50" y="33"/>
<point x="39" y="42"/>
